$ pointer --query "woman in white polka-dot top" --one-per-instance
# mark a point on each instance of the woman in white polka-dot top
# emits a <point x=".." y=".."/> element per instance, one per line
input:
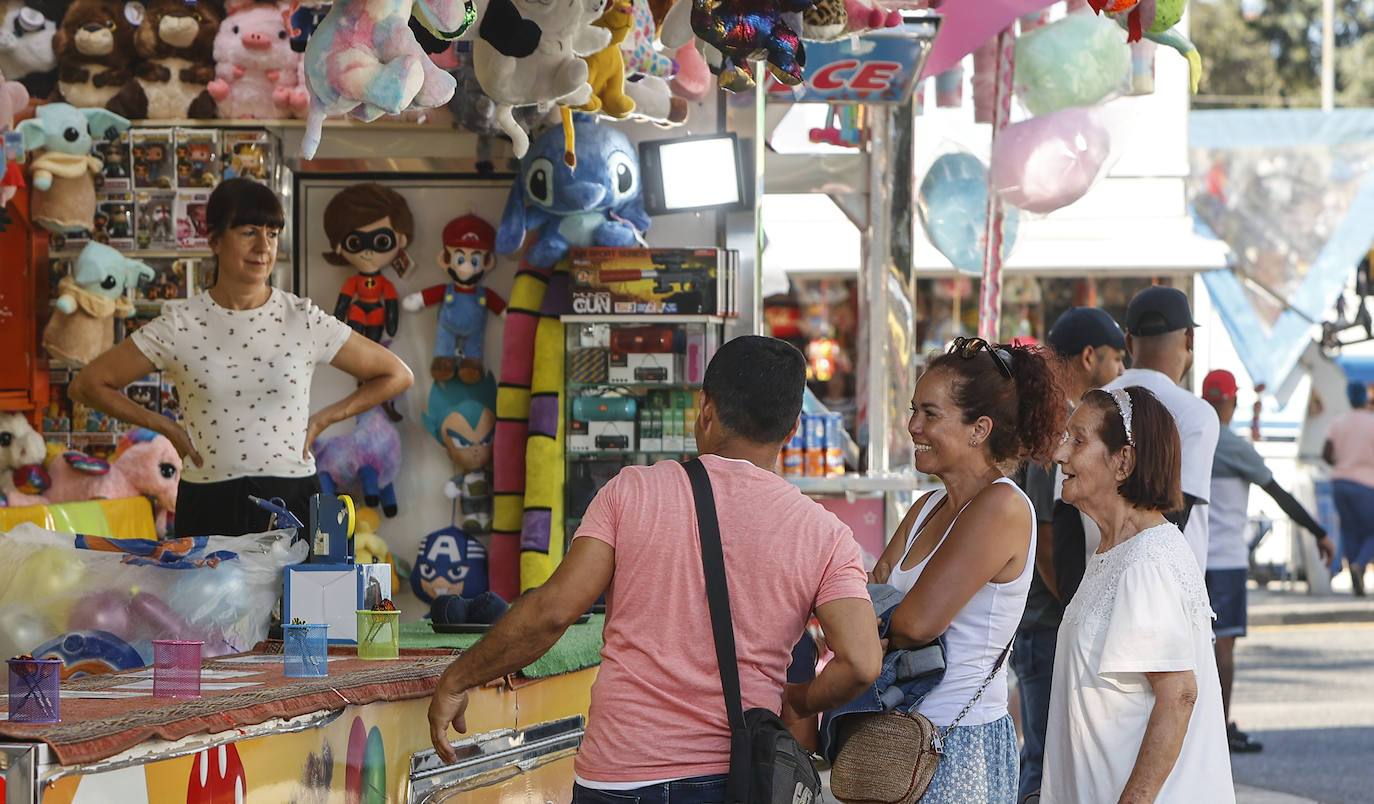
<point x="242" y="355"/>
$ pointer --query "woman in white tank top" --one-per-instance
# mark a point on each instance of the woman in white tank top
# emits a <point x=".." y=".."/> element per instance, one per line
<point x="963" y="555"/>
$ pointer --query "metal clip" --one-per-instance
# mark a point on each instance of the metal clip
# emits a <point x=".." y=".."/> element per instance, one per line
<point x="937" y="743"/>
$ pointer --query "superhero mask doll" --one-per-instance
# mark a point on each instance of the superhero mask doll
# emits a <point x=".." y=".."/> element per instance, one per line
<point x="369" y="227"/>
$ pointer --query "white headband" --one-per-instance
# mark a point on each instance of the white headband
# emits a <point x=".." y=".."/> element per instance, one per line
<point x="1123" y="406"/>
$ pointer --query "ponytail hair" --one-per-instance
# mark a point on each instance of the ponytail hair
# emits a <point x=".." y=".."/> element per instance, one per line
<point x="1027" y="411"/>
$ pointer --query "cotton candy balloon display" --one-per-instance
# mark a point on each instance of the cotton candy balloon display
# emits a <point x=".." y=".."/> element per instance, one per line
<point x="1050" y="161"/>
<point x="1075" y="61"/>
<point x="953" y="205"/>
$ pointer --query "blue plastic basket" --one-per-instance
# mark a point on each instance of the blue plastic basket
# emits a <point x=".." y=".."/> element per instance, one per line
<point x="306" y="651"/>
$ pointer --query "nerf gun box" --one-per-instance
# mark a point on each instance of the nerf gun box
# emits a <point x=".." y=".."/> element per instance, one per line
<point x="667" y="281"/>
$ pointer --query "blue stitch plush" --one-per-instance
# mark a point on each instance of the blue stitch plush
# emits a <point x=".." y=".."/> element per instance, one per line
<point x="598" y="203"/>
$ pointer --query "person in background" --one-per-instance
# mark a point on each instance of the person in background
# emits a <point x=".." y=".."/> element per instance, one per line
<point x="242" y="355"/>
<point x="1235" y="467"/>
<point x="1086" y="348"/>
<point x="1349" y="449"/>
<point x="1159" y="338"/>
<point x="964" y="554"/>
<point x="1135" y="715"/>
<point x="657" y="729"/>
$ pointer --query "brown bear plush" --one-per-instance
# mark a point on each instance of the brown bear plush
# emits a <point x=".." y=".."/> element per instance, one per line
<point x="174" y="44"/>
<point x="95" y="52"/>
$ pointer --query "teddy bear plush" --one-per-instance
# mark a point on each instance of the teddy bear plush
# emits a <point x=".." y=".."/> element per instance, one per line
<point x="20" y="446"/>
<point x="82" y="326"/>
<point x="95" y="52"/>
<point x="63" y="175"/>
<point x="255" y="68"/>
<point x="27" y="28"/>
<point x="174" y="44"/>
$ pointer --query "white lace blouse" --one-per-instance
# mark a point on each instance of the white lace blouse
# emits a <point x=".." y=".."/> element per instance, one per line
<point x="1141" y="608"/>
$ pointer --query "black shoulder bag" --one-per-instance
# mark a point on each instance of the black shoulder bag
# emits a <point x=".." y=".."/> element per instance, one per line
<point x="767" y="765"/>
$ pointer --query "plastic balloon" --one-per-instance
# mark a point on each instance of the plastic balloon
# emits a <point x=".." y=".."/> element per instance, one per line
<point x="22" y="629"/>
<point x="48" y="573"/>
<point x="216" y="595"/>
<point x="1050" y="161"/>
<point x="1075" y="61"/>
<point x="91" y="653"/>
<point x="105" y="610"/>
<point x="952" y="203"/>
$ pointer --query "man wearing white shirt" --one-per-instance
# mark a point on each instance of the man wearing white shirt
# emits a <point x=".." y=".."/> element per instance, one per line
<point x="1159" y="339"/>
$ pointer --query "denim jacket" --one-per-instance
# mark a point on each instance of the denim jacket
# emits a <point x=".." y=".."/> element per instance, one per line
<point x="906" y="679"/>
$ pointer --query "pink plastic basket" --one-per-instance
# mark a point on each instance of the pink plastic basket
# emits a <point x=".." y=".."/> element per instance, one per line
<point x="34" y="690"/>
<point x="176" y="668"/>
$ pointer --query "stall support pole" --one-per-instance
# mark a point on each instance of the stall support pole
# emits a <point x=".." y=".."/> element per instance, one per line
<point x="990" y="304"/>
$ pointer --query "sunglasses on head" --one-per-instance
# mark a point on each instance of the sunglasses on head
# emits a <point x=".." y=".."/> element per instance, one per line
<point x="379" y="240"/>
<point x="968" y="348"/>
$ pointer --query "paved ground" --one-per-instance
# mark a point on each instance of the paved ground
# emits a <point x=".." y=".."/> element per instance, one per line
<point x="1307" y="693"/>
<point x="1291" y="605"/>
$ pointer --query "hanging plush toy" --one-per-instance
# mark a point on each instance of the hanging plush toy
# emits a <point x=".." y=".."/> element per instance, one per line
<point x="598" y="203"/>
<point x="369" y="227"/>
<point x="174" y="43"/>
<point x="26" y="44"/>
<point x="476" y="111"/>
<point x="742" y="29"/>
<point x="95" y="52"/>
<point x="255" y="67"/>
<point x="467" y="256"/>
<point x="606" y="67"/>
<point x="363" y="60"/>
<point x="462" y="418"/>
<point x="529" y="53"/>
<point x="64" y="174"/>
<point x="450" y="562"/>
<point x="1142" y="16"/>
<point x="82" y="326"/>
<point x="367" y="460"/>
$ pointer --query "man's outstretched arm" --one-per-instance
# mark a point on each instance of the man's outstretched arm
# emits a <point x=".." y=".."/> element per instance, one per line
<point x="531" y="626"/>
<point x="1298" y="514"/>
<point x="851" y="631"/>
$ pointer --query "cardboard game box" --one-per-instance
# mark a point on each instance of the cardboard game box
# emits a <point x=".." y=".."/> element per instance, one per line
<point x="668" y="281"/>
<point x="190" y="218"/>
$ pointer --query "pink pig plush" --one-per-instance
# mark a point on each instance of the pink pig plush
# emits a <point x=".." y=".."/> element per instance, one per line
<point x="256" y="71"/>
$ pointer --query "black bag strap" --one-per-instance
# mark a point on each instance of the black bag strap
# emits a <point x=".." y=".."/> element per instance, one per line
<point x="722" y="628"/>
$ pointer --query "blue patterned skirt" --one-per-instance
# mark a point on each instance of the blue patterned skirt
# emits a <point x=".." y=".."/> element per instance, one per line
<point x="979" y="765"/>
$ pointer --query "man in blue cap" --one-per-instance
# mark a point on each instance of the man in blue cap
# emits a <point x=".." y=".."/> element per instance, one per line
<point x="1088" y="349"/>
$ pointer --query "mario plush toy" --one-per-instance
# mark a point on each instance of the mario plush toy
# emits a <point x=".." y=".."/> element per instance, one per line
<point x="468" y="254"/>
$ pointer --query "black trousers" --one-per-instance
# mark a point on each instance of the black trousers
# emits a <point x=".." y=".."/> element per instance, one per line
<point x="223" y="508"/>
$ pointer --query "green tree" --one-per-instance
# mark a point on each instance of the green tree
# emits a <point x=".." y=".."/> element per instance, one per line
<point x="1259" y="53"/>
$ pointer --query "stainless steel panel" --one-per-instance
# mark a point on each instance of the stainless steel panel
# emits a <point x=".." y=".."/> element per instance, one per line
<point x="492" y="757"/>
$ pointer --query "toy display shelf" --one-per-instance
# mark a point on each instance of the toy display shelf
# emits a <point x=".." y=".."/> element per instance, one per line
<point x="675" y="386"/>
<point x="642" y="319"/>
<point x="613" y="453"/>
<point x="857" y="483"/>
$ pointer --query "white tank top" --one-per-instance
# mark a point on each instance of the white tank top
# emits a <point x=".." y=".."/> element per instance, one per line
<point x="977" y="635"/>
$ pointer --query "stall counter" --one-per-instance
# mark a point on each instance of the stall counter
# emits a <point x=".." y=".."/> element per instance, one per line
<point x="359" y="736"/>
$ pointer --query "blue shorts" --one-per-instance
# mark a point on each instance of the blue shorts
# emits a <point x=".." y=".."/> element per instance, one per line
<point x="1226" y="590"/>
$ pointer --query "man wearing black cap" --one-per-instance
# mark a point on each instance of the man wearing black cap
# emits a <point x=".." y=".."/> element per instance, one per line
<point x="1159" y="338"/>
<point x="1088" y="348"/>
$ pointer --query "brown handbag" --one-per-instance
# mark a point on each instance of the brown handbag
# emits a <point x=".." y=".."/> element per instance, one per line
<point x="890" y="757"/>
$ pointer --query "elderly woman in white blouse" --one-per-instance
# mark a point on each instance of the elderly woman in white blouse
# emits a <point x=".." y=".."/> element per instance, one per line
<point x="1135" y="712"/>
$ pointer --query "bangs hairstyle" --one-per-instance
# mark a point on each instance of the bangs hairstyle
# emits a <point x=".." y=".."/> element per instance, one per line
<point x="756" y="385"/>
<point x="1027" y="411"/>
<point x="1154" y="483"/>
<point x="242" y="202"/>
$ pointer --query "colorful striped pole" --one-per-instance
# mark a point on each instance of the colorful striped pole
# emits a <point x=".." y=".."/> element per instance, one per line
<point x="990" y="304"/>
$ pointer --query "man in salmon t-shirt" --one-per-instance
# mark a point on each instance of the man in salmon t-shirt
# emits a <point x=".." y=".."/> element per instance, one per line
<point x="657" y="725"/>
